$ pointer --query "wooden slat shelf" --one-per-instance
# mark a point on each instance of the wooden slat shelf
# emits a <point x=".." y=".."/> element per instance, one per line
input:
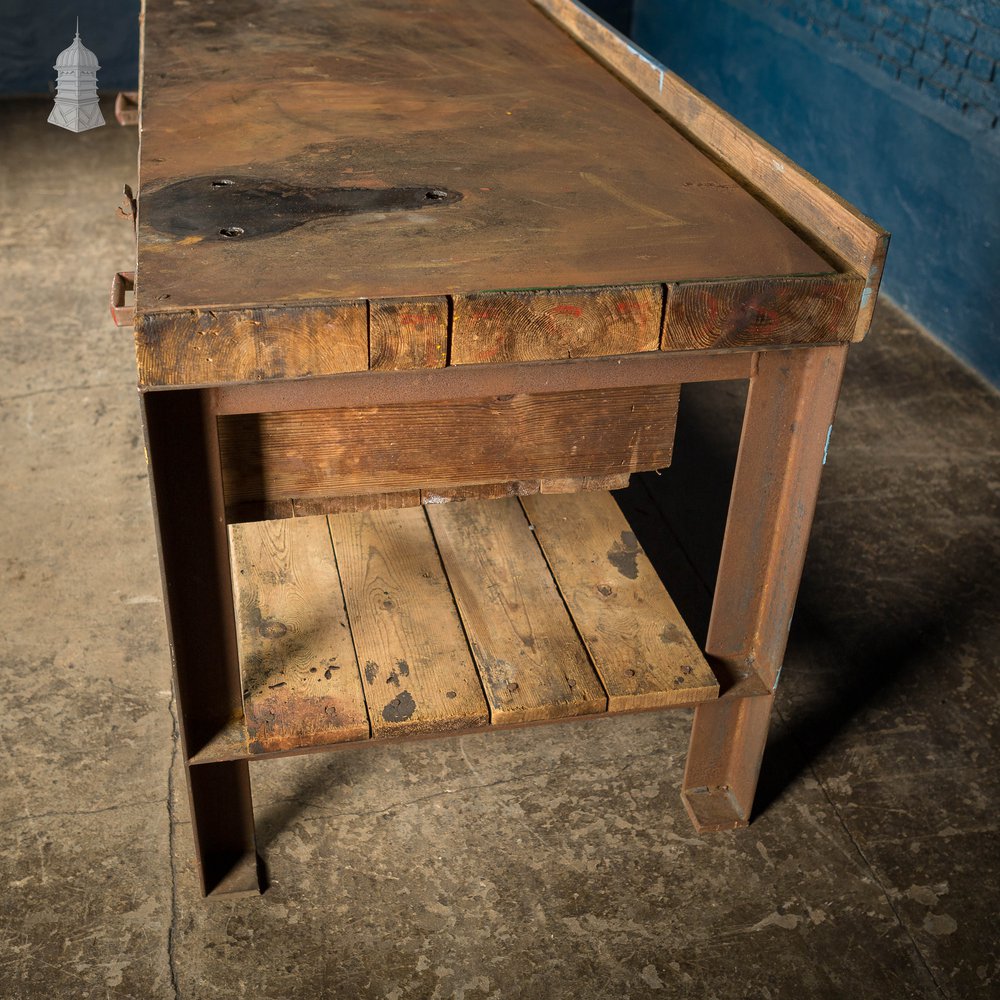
<point x="462" y="616"/>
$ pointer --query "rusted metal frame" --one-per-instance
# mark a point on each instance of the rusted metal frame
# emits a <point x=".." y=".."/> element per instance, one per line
<point x="185" y="479"/>
<point x="786" y="432"/>
<point x="375" y="388"/>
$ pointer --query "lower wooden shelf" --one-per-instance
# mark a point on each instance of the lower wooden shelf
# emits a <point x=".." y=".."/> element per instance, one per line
<point x="458" y="616"/>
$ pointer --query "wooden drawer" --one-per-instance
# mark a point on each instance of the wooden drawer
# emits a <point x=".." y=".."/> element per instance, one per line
<point x="311" y="461"/>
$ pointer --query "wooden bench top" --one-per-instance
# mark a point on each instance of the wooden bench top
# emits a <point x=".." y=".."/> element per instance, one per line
<point x="328" y="186"/>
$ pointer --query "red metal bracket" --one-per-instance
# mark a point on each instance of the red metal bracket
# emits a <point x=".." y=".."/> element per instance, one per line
<point x="127" y="107"/>
<point x="123" y="282"/>
<point x="127" y="208"/>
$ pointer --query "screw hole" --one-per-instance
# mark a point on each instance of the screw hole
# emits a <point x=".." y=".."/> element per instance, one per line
<point x="231" y="232"/>
<point x="222" y="182"/>
<point x="436" y="195"/>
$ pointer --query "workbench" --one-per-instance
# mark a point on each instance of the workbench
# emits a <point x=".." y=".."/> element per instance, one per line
<point x="416" y="285"/>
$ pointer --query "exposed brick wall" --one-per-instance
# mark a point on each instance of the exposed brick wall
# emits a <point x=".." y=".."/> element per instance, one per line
<point x="948" y="50"/>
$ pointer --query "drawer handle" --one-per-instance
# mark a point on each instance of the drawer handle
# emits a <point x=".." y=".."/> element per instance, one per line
<point x="123" y="281"/>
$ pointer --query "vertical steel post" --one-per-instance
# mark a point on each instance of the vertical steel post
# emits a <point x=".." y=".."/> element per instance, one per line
<point x="186" y="480"/>
<point x="786" y="430"/>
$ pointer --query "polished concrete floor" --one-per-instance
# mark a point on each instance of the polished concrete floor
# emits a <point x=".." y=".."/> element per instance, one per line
<point x="551" y="863"/>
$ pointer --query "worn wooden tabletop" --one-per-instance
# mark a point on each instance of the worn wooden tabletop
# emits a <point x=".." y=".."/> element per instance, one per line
<point x="491" y="152"/>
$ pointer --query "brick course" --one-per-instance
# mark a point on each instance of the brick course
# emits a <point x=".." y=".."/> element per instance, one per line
<point x="948" y="50"/>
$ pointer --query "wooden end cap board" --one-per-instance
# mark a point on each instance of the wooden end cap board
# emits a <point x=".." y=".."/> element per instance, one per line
<point x="395" y="203"/>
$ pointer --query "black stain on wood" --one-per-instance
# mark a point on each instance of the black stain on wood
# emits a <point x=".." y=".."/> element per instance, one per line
<point x="670" y="635"/>
<point x="624" y="555"/>
<point x="371" y="671"/>
<point x="400" y="708"/>
<point x="235" y="208"/>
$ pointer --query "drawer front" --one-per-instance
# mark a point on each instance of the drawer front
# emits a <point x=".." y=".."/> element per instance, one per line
<point x="307" y="461"/>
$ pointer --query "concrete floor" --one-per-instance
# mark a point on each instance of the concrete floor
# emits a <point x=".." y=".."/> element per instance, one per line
<point x="552" y="863"/>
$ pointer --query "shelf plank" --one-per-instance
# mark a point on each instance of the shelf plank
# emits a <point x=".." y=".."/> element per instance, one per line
<point x="418" y="675"/>
<point x="301" y="685"/>
<point x="636" y="638"/>
<point x="529" y="656"/>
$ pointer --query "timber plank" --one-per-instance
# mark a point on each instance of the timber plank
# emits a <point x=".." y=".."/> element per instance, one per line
<point x="300" y="676"/>
<point x="643" y="651"/>
<point x="300" y="454"/>
<point x="251" y="345"/>
<point x="567" y="323"/>
<point x="754" y="313"/>
<point x="529" y="656"/>
<point x="408" y="333"/>
<point x="417" y="672"/>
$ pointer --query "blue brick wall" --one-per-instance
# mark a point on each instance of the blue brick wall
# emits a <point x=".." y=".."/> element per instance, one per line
<point x="946" y="49"/>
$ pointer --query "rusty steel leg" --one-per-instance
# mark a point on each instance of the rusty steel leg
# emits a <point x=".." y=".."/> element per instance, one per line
<point x="786" y="429"/>
<point x="185" y="476"/>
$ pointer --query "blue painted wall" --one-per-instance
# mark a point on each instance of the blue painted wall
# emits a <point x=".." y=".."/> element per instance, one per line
<point x="881" y="117"/>
<point x="34" y="32"/>
<point x="616" y="12"/>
